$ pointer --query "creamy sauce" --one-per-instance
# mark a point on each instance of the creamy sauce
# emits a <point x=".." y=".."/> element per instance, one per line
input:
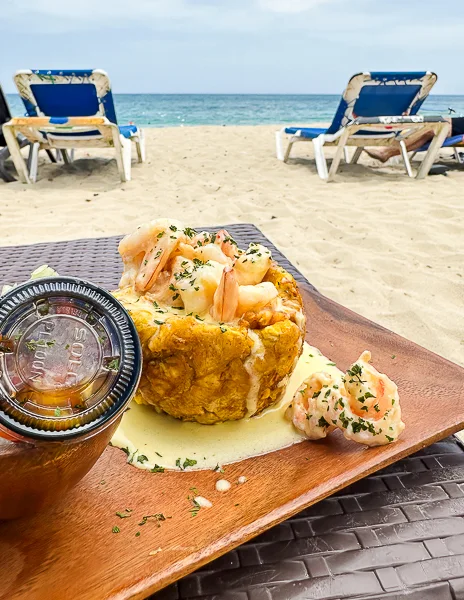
<point x="163" y="440"/>
<point x="257" y="353"/>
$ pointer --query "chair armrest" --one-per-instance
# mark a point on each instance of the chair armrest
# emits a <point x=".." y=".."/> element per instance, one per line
<point x="56" y="121"/>
<point x="396" y="120"/>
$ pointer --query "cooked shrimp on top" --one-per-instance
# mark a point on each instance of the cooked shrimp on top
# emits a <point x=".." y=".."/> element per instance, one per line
<point x="203" y="273"/>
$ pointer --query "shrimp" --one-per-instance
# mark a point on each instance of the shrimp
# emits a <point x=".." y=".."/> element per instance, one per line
<point x="204" y="246"/>
<point x="196" y="284"/>
<point x="212" y="252"/>
<point x="254" y="297"/>
<point x="362" y="391"/>
<point x="226" y="296"/>
<point x="251" y="266"/>
<point x="374" y="396"/>
<point x="227" y="244"/>
<point x="311" y="403"/>
<point x="146" y="251"/>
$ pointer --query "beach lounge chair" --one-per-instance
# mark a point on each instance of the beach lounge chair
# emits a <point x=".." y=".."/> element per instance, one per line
<point x="67" y="110"/>
<point x="455" y="142"/>
<point x="5" y="116"/>
<point x="376" y="109"/>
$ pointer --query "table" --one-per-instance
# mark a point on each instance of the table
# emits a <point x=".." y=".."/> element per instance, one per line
<point x="396" y="534"/>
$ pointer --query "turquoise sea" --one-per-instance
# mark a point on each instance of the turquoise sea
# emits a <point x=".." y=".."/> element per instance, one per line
<point x="167" y="110"/>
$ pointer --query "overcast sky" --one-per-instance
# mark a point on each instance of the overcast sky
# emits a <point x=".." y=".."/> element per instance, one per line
<point x="241" y="46"/>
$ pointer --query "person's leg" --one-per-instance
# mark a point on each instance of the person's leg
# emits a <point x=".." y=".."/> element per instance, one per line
<point x="413" y="142"/>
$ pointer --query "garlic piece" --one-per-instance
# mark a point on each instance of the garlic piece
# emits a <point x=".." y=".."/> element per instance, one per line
<point x="203" y="502"/>
<point x="242" y="479"/>
<point x="222" y="485"/>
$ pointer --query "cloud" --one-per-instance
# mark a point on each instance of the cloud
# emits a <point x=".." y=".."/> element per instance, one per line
<point x="290" y="6"/>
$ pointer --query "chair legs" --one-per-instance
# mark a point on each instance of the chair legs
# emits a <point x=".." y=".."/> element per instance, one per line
<point x="15" y="151"/>
<point x="321" y="163"/>
<point x="432" y="152"/>
<point x="289" y="148"/>
<point x="33" y="161"/>
<point x="338" y="155"/>
<point x="356" y="155"/>
<point x="279" y="136"/>
<point x="404" y="154"/>
<point x="140" y="146"/>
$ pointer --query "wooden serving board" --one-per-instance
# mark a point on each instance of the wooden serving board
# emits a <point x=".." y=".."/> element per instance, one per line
<point x="70" y="551"/>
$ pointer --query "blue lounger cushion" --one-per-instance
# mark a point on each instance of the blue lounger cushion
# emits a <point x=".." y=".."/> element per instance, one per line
<point x="127" y="131"/>
<point x="456" y="140"/>
<point x="306" y="132"/>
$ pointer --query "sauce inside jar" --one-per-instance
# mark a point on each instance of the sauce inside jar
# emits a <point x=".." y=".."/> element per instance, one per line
<point x="70" y="361"/>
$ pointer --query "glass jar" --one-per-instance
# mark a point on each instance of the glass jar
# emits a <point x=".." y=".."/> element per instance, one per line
<point x="70" y="362"/>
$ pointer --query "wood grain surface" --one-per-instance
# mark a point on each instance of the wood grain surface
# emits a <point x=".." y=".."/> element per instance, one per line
<point x="71" y="552"/>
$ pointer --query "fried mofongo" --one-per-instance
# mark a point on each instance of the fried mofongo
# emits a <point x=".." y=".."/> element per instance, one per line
<point x="363" y="403"/>
<point x="221" y="328"/>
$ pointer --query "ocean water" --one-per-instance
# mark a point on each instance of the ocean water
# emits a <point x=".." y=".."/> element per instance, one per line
<point x="167" y="110"/>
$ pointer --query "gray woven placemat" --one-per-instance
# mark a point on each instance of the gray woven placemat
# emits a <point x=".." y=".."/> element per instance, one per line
<point x="396" y="534"/>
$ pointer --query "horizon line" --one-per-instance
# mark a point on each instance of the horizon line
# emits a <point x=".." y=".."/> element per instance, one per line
<point x="338" y="94"/>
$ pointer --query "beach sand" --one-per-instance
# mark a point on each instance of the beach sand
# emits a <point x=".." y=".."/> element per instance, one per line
<point x="386" y="246"/>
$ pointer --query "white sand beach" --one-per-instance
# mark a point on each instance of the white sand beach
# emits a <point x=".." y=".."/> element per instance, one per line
<point x="384" y="245"/>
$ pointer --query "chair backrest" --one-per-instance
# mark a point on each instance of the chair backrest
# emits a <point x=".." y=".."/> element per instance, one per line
<point x="5" y="115"/>
<point x="382" y="94"/>
<point x="66" y="93"/>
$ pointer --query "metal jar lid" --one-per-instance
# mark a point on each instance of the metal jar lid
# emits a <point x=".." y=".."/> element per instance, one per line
<point x="70" y="358"/>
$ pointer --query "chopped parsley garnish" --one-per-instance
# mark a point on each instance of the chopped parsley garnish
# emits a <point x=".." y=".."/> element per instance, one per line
<point x="160" y="235"/>
<point x="172" y="227"/>
<point x="331" y="365"/>
<point x="218" y="469"/>
<point x="188" y="462"/>
<point x="345" y="421"/>
<point x="115" y="529"/>
<point x="322" y="422"/>
<point x="142" y="458"/>
<point x="316" y="394"/>
<point x="57" y="412"/>
<point x="32" y="344"/>
<point x="195" y="509"/>
<point x="113" y="365"/>
<point x="327" y="394"/>
<point x="158" y="518"/>
<point x="159" y="322"/>
<point x="390" y="439"/>
<point x="222" y="328"/>
<point x="189" y="232"/>
<point x="124" y="514"/>
<point x="157" y="469"/>
<point x="355" y="372"/>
